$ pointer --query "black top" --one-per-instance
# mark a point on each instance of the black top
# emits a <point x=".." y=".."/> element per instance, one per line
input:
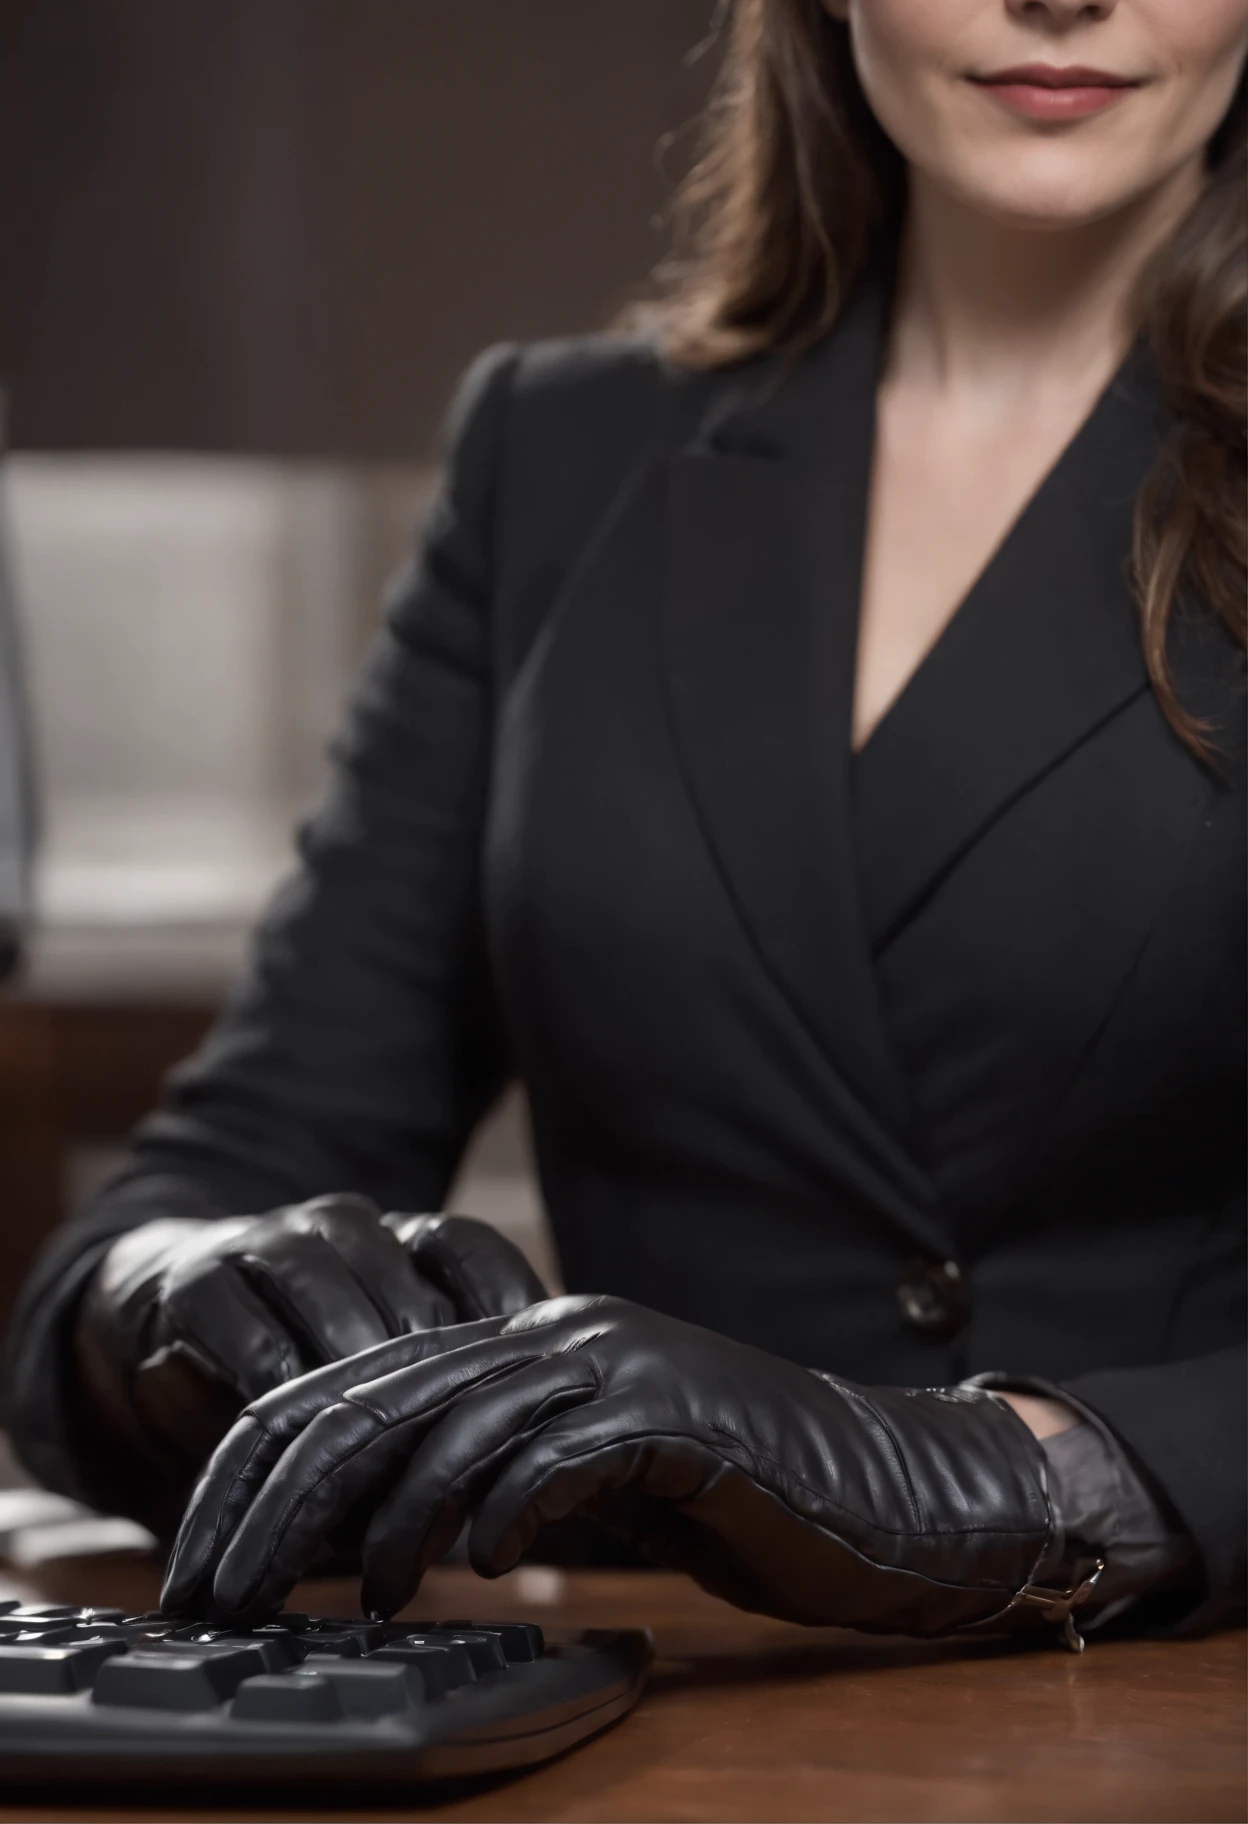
<point x="796" y="1031"/>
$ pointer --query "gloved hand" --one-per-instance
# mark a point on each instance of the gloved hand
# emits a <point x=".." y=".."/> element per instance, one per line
<point x="187" y="1319"/>
<point x="782" y="1490"/>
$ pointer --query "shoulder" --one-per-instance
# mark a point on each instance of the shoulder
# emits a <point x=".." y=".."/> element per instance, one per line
<point x="544" y="437"/>
<point x="546" y="433"/>
<point x="549" y="397"/>
<point x="586" y="375"/>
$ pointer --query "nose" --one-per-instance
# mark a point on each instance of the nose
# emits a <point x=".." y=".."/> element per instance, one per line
<point x="1059" y="15"/>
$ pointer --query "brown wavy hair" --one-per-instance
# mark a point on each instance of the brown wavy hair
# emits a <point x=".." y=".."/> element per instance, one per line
<point x="795" y="185"/>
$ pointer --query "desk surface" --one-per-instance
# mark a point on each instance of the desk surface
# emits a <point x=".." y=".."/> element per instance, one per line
<point x="751" y="1719"/>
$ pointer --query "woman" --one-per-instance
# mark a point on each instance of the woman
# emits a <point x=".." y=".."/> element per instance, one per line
<point x="809" y="752"/>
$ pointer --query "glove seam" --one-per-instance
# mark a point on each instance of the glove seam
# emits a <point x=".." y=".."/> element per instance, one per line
<point x="291" y="1513"/>
<point x="902" y="1466"/>
<point x="258" y="1280"/>
<point x="799" y="1482"/>
<point x="387" y="1420"/>
<point x="388" y="1318"/>
<point x="265" y="1436"/>
<point x="972" y="1589"/>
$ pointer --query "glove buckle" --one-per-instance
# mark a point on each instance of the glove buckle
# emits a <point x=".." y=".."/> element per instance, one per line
<point x="1059" y="1605"/>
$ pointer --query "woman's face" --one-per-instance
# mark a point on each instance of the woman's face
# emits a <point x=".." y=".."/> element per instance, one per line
<point x="962" y="87"/>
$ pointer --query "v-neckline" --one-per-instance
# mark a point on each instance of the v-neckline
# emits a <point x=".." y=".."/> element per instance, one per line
<point x="954" y="626"/>
<point x="826" y="854"/>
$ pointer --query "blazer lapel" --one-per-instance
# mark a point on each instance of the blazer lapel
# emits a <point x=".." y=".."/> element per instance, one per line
<point x="825" y="854"/>
<point x="763" y="575"/>
<point x="1045" y="647"/>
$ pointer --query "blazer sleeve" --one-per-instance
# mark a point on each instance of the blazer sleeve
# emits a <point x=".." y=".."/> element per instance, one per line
<point x="362" y="1043"/>
<point x="1186" y="1423"/>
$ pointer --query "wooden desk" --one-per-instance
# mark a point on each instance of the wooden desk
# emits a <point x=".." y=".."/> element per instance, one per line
<point x="750" y="1719"/>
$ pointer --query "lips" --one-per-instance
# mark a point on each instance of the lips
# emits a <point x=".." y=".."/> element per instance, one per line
<point x="1043" y="91"/>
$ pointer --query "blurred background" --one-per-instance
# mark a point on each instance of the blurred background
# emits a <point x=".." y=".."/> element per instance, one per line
<point x="246" y="246"/>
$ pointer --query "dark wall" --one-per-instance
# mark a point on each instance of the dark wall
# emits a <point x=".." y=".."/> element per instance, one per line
<point x="284" y="225"/>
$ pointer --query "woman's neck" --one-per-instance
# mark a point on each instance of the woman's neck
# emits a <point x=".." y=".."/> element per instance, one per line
<point x="988" y="308"/>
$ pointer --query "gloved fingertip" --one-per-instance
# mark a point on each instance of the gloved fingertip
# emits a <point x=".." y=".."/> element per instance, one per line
<point x="184" y="1578"/>
<point x="380" y="1600"/>
<point x="389" y="1579"/>
<point x="492" y="1551"/>
<point x="253" y="1614"/>
<point x="496" y="1565"/>
<point x="237" y="1595"/>
<point x="176" y="1597"/>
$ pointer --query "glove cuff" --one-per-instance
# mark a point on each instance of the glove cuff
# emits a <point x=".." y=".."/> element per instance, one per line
<point x="1064" y="1580"/>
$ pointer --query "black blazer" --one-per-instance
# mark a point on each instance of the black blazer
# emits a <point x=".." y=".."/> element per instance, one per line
<point x="796" y="1028"/>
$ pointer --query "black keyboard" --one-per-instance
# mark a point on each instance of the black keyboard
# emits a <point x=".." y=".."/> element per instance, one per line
<point x="93" y="1696"/>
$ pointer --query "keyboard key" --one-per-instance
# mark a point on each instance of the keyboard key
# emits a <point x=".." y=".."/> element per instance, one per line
<point x="167" y="1681"/>
<point x="342" y="1637"/>
<point x="115" y="1630"/>
<point x="51" y="1611"/>
<point x="484" y="1650"/>
<point x="34" y="1633"/>
<point x="287" y="1697"/>
<point x="366" y="1689"/>
<point x="53" y="1671"/>
<point x="441" y="1668"/>
<point x="463" y="1671"/>
<point x="24" y="1620"/>
<point x="150" y="1634"/>
<point x="288" y="1622"/>
<point x="273" y="1655"/>
<point x="521" y="1641"/>
<point x="342" y="1646"/>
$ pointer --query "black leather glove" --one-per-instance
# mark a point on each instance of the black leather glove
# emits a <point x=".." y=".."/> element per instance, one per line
<point x="186" y="1319"/>
<point x="784" y="1491"/>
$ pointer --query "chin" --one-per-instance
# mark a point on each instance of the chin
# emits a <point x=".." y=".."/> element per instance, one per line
<point x="1052" y="200"/>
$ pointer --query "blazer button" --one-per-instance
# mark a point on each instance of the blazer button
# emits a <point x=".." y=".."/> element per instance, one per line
<point x="933" y="1297"/>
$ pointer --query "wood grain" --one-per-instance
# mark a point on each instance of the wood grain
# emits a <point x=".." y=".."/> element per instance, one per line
<point x="751" y="1719"/>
